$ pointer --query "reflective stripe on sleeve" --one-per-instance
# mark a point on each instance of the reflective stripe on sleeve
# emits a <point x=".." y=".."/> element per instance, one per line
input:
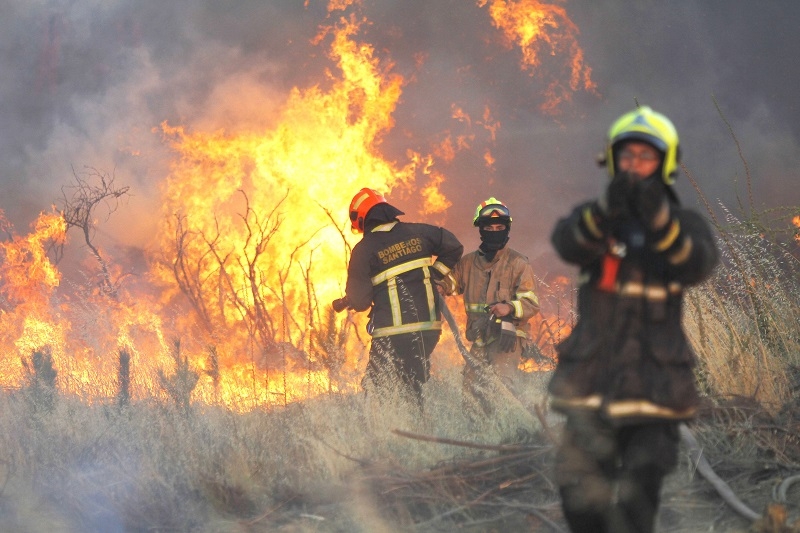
<point x="669" y="239"/>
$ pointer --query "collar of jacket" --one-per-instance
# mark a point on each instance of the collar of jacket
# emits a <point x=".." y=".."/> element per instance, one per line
<point x="384" y="227"/>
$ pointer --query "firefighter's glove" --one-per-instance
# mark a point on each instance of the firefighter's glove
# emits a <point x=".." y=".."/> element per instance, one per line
<point x="614" y="202"/>
<point x="651" y="203"/>
<point x="478" y="328"/>
<point x="508" y="336"/>
<point x="340" y="304"/>
<point x="447" y="285"/>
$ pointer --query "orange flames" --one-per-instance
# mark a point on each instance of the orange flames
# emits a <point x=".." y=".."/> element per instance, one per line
<point x="263" y="246"/>
<point x="252" y="243"/>
<point x="28" y="319"/>
<point x="543" y="31"/>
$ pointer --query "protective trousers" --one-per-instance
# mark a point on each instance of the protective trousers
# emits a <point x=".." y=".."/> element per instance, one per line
<point x="404" y="360"/>
<point x="476" y="385"/>
<point x="610" y="477"/>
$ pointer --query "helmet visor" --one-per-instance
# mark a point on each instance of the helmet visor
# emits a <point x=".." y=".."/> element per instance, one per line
<point x="494" y="211"/>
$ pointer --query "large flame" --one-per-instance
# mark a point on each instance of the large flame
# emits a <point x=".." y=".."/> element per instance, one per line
<point x="545" y="31"/>
<point x="254" y="221"/>
<point x="252" y="245"/>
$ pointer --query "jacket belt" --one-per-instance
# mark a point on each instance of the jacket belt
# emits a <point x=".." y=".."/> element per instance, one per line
<point x="636" y="289"/>
<point x="406" y="328"/>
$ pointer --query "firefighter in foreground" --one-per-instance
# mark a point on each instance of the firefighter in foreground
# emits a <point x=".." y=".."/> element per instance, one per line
<point x="625" y="378"/>
<point x="499" y="298"/>
<point x="392" y="271"/>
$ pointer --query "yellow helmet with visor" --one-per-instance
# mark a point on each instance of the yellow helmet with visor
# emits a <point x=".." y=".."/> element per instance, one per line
<point x="645" y="125"/>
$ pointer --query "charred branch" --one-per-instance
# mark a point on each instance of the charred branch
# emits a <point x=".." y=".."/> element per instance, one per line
<point x="189" y="272"/>
<point x="90" y="190"/>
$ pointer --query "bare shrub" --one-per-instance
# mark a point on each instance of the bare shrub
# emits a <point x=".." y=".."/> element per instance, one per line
<point x="40" y="375"/>
<point x="181" y="383"/>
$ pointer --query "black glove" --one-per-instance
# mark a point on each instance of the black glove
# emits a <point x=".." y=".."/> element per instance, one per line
<point x="613" y="204"/>
<point x="478" y="328"/>
<point x="616" y="198"/>
<point x="340" y="304"/>
<point x="651" y="203"/>
<point x="508" y="336"/>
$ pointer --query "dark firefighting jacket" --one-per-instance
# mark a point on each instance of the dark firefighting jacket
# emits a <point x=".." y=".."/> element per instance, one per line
<point x="508" y="277"/>
<point x="628" y="355"/>
<point x="393" y="270"/>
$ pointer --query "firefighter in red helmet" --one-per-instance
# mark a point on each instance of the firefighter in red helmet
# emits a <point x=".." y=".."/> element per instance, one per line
<point x="392" y="272"/>
<point x="624" y="377"/>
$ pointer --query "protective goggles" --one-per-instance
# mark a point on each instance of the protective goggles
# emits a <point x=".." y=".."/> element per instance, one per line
<point x="494" y="210"/>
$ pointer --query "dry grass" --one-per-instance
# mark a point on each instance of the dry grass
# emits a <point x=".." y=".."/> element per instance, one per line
<point x="745" y="322"/>
<point x="154" y="467"/>
<point x="336" y="463"/>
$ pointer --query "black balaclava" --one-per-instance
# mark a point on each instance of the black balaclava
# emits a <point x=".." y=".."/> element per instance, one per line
<point x="493" y="241"/>
<point x="380" y="214"/>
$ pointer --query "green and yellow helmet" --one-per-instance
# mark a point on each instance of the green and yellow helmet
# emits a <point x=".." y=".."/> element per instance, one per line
<point x="644" y="124"/>
<point x="491" y="211"/>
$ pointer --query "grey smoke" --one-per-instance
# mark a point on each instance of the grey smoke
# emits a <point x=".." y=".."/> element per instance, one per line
<point x="85" y="83"/>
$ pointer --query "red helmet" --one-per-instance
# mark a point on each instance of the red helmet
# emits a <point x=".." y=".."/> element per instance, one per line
<point x="360" y="205"/>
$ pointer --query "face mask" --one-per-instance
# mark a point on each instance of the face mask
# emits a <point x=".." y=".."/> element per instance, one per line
<point x="492" y="241"/>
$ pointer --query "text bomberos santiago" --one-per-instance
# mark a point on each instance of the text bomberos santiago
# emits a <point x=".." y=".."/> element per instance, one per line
<point x="401" y="249"/>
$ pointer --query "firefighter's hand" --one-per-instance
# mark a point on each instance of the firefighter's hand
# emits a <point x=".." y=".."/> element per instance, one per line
<point x="340" y="304"/>
<point x="508" y="336"/>
<point x="613" y="204"/>
<point x="446" y="285"/>
<point x="501" y="309"/>
<point x="478" y="328"/>
<point x="651" y="203"/>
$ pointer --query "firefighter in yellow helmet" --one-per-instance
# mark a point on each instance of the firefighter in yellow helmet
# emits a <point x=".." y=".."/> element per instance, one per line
<point x="500" y="297"/>
<point x="624" y="377"/>
<point x="392" y="272"/>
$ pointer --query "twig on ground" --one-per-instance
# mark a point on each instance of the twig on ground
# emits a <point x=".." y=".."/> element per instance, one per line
<point x="463" y="444"/>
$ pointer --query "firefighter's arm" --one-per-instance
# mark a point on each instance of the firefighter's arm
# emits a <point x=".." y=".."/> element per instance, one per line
<point x="579" y="238"/>
<point x="448" y="250"/>
<point x="359" y="283"/>
<point x="688" y="244"/>
<point x="525" y="302"/>
<point x="447" y="282"/>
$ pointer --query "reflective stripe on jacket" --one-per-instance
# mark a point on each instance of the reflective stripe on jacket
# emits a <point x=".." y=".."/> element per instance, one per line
<point x="391" y="269"/>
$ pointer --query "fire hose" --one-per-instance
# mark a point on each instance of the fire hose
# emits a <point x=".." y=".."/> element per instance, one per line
<point x="485" y="371"/>
<point x="451" y="321"/>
